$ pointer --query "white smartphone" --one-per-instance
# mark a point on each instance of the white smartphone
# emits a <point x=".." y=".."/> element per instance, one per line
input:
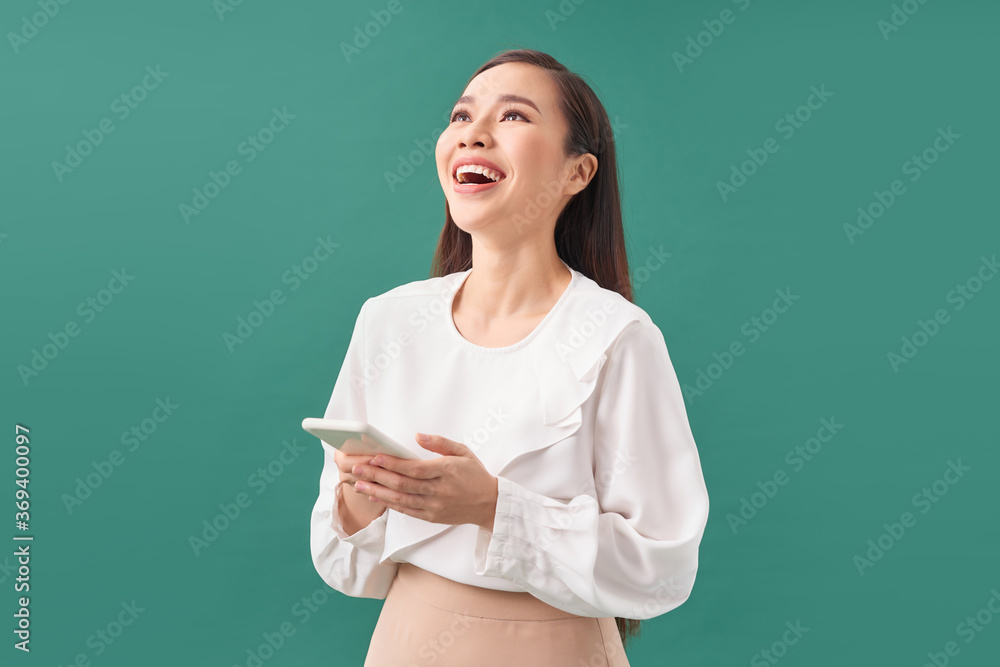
<point x="352" y="437"/>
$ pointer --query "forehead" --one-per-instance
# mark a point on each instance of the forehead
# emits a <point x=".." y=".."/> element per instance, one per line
<point x="513" y="79"/>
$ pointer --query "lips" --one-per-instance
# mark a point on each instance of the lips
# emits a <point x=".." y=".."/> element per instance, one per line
<point x="473" y="188"/>
<point x="474" y="159"/>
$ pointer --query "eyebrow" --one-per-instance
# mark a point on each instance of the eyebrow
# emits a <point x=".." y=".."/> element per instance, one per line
<point x="501" y="99"/>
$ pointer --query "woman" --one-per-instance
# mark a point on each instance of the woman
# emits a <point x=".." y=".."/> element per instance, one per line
<point x="558" y="497"/>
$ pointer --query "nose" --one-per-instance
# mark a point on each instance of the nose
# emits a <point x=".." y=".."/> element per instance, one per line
<point x="472" y="139"/>
<point x="473" y="134"/>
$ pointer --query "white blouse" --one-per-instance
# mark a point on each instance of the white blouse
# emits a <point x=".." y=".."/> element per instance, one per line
<point x="602" y="504"/>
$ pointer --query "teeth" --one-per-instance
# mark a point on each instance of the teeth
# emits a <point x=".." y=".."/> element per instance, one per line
<point x="478" y="169"/>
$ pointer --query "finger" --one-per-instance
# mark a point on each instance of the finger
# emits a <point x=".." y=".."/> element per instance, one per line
<point x="348" y="480"/>
<point x="402" y="509"/>
<point x="410" y="468"/>
<point x="361" y="492"/>
<point x="389" y="479"/>
<point x="355" y="459"/>
<point x="347" y="471"/>
<point x="391" y="497"/>
<point x="349" y="461"/>
<point x="441" y="445"/>
<point x="357" y="464"/>
<point x="394" y="481"/>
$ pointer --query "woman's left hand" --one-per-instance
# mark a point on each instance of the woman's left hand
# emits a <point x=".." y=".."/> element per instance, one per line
<point x="454" y="488"/>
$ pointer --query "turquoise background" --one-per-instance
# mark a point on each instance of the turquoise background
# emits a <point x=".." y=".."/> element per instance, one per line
<point x="680" y="131"/>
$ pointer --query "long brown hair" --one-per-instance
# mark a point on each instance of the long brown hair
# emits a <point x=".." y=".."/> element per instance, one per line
<point x="588" y="232"/>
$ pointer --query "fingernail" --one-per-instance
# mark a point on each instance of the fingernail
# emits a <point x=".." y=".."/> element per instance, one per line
<point x="377" y="461"/>
<point x="360" y="486"/>
<point x="357" y="470"/>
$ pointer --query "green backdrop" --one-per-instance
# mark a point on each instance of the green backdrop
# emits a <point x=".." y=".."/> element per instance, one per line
<point x="808" y="191"/>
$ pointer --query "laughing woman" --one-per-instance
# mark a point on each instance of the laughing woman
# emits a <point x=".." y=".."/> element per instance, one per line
<point x="558" y="497"/>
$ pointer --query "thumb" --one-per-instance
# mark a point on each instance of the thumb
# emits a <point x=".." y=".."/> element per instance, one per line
<point x="441" y="445"/>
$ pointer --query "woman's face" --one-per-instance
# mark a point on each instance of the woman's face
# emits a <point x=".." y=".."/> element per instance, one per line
<point x="523" y="138"/>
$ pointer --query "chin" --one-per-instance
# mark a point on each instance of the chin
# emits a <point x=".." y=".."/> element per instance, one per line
<point x="468" y="222"/>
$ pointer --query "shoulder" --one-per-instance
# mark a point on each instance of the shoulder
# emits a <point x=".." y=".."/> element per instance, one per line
<point x="417" y="288"/>
<point x="585" y="331"/>
<point x="432" y="294"/>
<point x="636" y="334"/>
<point x="601" y="306"/>
<point x="589" y="294"/>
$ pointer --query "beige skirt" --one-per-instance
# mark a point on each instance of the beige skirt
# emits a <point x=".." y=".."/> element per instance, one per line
<point x="431" y="620"/>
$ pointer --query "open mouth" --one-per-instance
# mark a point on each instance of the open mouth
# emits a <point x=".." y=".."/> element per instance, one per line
<point x="475" y="179"/>
<point x="477" y="175"/>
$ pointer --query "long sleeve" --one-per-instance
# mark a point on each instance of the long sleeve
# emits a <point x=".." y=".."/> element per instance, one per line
<point x="348" y="563"/>
<point x="633" y="550"/>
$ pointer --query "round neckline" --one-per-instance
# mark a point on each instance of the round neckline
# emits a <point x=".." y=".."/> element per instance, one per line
<point x="524" y="341"/>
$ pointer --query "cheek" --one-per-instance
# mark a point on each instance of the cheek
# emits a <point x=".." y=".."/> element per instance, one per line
<point x="537" y="164"/>
<point x="439" y="156"/>
<point x="538" y="177"/>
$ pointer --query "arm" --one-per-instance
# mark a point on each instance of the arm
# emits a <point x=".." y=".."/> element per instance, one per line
<point x="354" y="509"/>
<point x="349" y="562"/>
<point x="633" y="550"/>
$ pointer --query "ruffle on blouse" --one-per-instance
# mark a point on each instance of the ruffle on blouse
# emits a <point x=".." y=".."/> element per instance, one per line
<point x="566" y="360"/>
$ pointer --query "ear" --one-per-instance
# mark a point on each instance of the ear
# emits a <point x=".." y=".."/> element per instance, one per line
<point x="581" y="173"/>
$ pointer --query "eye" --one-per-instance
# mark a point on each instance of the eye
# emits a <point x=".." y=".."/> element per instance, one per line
<point x="513" y="112"/>
<point x="509" y="112"/>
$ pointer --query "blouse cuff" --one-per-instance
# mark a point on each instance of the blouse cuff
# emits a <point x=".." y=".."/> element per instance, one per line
<point x="491" y="547"/>
<point x="371" y="536"/>
<point x="524" y="521"/>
